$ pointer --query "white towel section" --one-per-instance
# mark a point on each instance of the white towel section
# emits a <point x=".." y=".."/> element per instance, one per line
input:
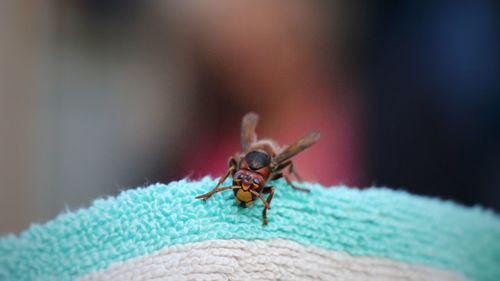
<point x="274" y="259"/>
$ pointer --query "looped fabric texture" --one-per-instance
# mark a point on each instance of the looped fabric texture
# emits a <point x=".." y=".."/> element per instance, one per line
<point x="162" y="232"/>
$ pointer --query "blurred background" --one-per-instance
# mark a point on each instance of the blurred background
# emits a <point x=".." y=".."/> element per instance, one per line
<point x="98" y="96"/>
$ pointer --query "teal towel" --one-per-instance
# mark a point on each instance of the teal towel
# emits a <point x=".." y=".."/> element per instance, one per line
<point x="375" y="222"/>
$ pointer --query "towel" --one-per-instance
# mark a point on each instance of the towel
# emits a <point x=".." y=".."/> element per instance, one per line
<point x="161" y="232"/>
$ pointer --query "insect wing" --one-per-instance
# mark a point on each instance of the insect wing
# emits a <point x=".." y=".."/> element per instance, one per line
<point x="293" y="149"/>
<point x="248" y="126"/>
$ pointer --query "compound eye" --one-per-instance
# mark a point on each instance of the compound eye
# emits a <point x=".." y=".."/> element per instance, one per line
<point x="256" y="181"/>
<point x="237" y="179"/>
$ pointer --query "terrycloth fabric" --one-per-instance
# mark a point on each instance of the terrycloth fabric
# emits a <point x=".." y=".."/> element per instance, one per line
<point x="274" y="259"/>
<point x="376" y="223"/>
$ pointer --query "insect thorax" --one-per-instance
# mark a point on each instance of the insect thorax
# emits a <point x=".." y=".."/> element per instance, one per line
<point x="257" y="159"/>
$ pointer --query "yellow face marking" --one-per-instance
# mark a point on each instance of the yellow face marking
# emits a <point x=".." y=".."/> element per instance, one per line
<point x="244" y="196"/>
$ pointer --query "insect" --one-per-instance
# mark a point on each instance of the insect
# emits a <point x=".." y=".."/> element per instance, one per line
<point x="259" y="162"/>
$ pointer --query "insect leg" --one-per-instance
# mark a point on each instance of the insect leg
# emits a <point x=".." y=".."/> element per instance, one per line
<point x="287" y="179"/>
<point x="222" y="179"/>
<point x="232" y="168"/>
<point x="292" y="171"/>
<point x="270" y="190"/>
<point x="277" y="176"/>
<point x="216" y="190"/>
<point x="266" y="205"/>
